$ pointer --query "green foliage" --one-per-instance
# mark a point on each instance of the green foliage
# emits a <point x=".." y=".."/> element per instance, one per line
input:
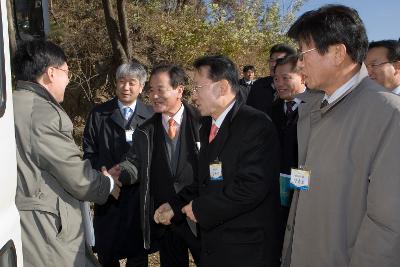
<point x="163" y="31"/>
<point x="245" y="32"/>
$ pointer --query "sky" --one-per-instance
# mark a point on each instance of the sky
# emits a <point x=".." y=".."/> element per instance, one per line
<point x="380" y="17"/>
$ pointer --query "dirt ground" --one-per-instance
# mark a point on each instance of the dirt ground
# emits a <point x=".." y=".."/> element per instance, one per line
<point x="154" y="261"/>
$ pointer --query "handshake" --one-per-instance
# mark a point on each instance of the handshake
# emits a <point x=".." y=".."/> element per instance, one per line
<point x="164" y="213"/>
<point x="114" y="172"/>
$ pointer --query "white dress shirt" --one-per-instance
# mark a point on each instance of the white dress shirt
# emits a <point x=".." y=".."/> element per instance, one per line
<point x="177" y="118"/>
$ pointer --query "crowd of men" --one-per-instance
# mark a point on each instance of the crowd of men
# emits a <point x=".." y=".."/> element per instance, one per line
<point x="299" y="168"/>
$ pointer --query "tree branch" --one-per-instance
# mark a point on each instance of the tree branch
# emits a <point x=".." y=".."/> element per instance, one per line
<point x="113" y="33"/>
<point x="123" y="27"/>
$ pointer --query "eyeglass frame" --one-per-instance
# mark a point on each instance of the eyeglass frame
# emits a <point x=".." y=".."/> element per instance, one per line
<point x="300" y="54"/>
<point x="197" y="87"/>
<point x="68" y="72"/>
<point x="375" y="65"/>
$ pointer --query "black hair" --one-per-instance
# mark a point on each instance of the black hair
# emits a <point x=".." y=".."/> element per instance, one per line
<point x="282" y="48"/>
<point x="32" y="58"/>
<point x="330" y="25"/>
<point x="176" y="74"/>
<point x="292" y="60"/>
<point x="392" y="46"/>
<point x="220" y="67"/>
<point x="249" y="67"/>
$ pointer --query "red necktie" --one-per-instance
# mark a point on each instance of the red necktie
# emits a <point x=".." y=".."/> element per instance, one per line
<point x="171" y="128"/>
<point x="213" y="132"/>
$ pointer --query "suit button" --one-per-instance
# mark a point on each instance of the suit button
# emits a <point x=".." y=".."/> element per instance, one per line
<point x="289" y="227"/>
<point x="208" y="252"/>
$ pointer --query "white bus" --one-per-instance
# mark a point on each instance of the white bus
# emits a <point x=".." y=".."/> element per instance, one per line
<point x="10" y="229"/>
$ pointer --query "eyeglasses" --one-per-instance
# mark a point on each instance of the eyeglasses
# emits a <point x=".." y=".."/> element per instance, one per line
<point x="300" y="54"/>
<point x="68" y="72"/>
<point x="375" y="65"/>
<point x="196" y="88"/>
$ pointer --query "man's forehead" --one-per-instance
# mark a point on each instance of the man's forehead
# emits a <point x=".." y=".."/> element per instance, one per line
<point x="378" y="52"/>
<point x="128" y="78"/>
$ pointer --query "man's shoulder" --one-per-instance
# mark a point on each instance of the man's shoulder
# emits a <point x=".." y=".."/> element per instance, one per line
<point x="250" y="116"/>
<point x="263" y="81"/>
<point x="371" y="93"/>
<point x="144" y="109"/>
<point x="107" y="106"/>
<point x="192" y="111"/>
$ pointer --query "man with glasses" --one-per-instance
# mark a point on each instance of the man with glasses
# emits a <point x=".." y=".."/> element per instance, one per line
<point x="235" y="199"/>
<point x="107" y="138"/>
<point x="163" y="159"/>
<point x="263" y="93"/>
<point x="53" y="180"/>
<point x="344" y="211"/>
<point x="383" y="64"/>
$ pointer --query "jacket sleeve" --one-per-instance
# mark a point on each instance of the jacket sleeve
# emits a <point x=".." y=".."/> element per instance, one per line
<point x="89" y="142"/>
<point x="378" y="240"/>
<point x="177" y="202"/>
<point x="254" y="178"/>
<point x="129" y="166"/>
<point x="55" y="152"/>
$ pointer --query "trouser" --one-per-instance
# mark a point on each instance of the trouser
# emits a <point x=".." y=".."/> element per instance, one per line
<point x="138" y="261"/>
<point x="174" y="246"/>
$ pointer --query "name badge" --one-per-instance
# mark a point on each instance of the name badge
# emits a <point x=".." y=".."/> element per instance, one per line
<point x="129" y="135"/>
<point x="300" y="179"/>
<point x="216" y="171"/>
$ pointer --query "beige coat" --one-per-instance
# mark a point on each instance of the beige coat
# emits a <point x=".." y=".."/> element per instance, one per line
<point x="52" y="181"/>
<point x="350" y="216"/>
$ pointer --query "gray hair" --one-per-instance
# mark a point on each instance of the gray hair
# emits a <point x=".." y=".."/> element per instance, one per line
<point x="132" y="69"/>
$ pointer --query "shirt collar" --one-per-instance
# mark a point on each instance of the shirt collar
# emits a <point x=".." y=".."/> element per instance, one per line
<point x="132" y="106"/>
<point x="396" y="90"/>
<point x="218" y="122"/>
<point x="347" y="86"/>
<point x="177" y="117"/>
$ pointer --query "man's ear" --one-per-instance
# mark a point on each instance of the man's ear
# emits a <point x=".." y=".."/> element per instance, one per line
<point x="396" y="66"/>
<point x="48" y="75"/>
<point x="340" y="53"/>
<point x="180" y="89"/>
<point x="224" y="86"/>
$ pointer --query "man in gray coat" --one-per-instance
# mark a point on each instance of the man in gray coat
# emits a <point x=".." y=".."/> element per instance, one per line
<point x="53" y="180"/>
<point x="348" y="136"/>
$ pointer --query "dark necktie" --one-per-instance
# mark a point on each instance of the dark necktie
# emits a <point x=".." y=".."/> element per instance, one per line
<point x="324" y="103"/>
<point x="289" y="108"/>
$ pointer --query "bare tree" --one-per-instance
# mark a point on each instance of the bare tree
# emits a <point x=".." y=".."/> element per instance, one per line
<point x="118" y="32"/>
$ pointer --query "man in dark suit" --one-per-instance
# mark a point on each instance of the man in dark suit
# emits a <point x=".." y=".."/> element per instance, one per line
<point x="263" y="92"/>
<point x="107" y="138"/>
<point x="288" y="82"/>
<point x="247" y="80"/>
<point x="235" y="199"/>
<point x="164" y="160"/>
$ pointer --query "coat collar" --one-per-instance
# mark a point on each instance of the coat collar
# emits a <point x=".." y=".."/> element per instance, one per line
<point x="37" y="89"/>
<point x="214" y="148"/>
<point x="141" y="113"/>
<point x="314" y="97"/>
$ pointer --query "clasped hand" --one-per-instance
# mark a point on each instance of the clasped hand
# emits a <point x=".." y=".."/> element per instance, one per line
<point x="114" y="172"/>
<point x="165" y="213"/>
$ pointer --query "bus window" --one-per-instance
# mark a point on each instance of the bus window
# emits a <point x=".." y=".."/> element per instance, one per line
<point x="8" y="257"/>
<point x="3" y="96"/>
<point x="31" y="19"/>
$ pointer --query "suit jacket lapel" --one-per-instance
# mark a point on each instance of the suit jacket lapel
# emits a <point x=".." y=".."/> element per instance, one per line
<point x="116" y="115"/>
<point x="139" y="116"/>
<point x="161" y="136"/>
<point x="183" y="146"/>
